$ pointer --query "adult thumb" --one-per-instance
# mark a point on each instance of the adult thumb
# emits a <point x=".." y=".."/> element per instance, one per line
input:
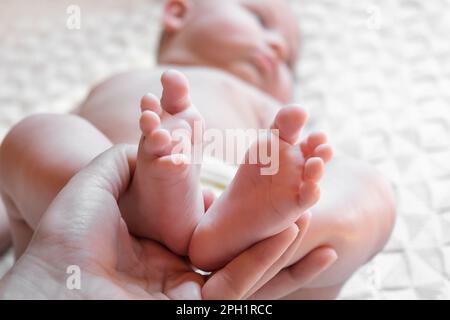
<point x="85" y="215"/>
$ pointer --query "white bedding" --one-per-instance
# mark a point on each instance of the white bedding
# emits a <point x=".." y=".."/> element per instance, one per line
<point x="374" y="74"/>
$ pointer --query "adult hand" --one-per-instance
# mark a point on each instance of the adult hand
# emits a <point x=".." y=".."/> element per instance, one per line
<point x="83" y="227"/>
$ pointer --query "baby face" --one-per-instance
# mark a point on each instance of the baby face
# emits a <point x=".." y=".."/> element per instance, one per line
<point x="256" y="40"/>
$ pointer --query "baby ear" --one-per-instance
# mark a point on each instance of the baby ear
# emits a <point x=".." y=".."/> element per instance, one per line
<point x="174" y="14"/>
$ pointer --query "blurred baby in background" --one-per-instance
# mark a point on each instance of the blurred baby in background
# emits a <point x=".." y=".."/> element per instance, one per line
<point x="221" y="65"/>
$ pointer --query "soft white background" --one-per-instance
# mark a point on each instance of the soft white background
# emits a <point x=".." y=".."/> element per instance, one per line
<point x="374" y="74"/>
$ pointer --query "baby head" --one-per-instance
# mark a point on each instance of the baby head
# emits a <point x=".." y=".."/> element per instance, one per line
<point x="255" y="40"/>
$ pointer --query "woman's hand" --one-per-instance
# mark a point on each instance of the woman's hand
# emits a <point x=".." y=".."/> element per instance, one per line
<point x="83" y="227"/>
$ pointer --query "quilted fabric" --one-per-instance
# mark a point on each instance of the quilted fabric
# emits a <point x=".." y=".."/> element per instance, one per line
<point x="375" y="75"/>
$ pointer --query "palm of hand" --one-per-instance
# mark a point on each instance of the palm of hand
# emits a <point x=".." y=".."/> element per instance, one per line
<point x="118" y="266"/>
<point x="83" y="227"/>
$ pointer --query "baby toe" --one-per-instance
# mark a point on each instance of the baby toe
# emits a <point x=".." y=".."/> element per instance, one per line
<point x="175" y="97"/>
<point x="151" y="102"/>
<point x="148" y="122"/>
<point x="324" y="151"/>
<point x="314" y="169"/>
<point x="158" y="143"/>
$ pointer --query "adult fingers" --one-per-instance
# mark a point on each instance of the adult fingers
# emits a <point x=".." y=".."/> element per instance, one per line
<point x="302" y="224"/>
<point x="85" y="214"/>
<point x="241" y="274"/>
<point x="298" y="275"/>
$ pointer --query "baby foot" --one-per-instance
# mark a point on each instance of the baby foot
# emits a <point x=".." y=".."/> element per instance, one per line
<point x="164" y="201"/>
<point x="255" y="206"/>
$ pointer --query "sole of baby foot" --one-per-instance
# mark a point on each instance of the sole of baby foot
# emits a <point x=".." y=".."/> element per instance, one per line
<point x="256" y="206"/>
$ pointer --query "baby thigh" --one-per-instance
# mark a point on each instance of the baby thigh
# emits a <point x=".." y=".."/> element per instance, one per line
<point x="4" y="228"/>
<point x="37" y="158"/>
<point x="355" y="216"/>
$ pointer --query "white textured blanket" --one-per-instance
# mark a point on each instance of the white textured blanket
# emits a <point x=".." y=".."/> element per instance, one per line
<point x="374" y="74"/>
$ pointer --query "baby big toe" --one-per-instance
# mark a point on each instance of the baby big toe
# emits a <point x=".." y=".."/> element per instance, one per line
<point x="289" y="121"/>
<point x="175" y="96"/>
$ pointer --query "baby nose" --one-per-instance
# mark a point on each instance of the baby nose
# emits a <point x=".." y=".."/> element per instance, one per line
<point x="279" y="45"/>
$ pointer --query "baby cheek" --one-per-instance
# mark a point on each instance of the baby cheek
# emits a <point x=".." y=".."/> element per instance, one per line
<point x="236" y="24"/>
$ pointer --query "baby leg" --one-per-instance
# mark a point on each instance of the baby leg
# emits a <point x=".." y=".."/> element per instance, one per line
<point x="37" y="158"/>
<point x="355" y="218"/>
<point x="164" y="201"/>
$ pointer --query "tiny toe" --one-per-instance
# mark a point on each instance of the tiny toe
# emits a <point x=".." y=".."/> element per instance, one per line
<point x="311" y="142"/>
<point x="151" y="102"/>
<point x="175" y="96"/>
<point x="289" y="121"/>
<point x="309" y="194"/>
<point x="315" y="139"/>
<point x="305" y="149"/>
<point x="324" y="151"/>
<point x="148" y="122"/>
<point x="159" y="143"/>
<point x="314" y="168"/>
